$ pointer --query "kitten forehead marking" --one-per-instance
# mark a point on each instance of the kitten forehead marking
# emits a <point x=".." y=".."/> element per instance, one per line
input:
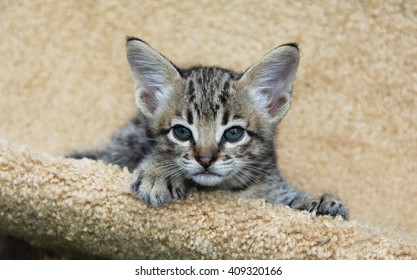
<point x="208" y="89"/>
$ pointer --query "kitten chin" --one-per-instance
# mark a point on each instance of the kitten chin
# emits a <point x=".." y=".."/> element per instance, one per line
<point x="208" y="179"/>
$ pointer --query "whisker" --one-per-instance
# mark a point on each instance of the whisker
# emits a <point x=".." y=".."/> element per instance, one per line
<point x="258" y="171"/>
<point x="244" y="178"/>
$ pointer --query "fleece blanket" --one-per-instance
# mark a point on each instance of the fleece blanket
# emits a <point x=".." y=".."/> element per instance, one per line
<point x="352" y="128"/>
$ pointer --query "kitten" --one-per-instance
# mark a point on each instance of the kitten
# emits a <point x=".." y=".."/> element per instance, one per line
<point x="210" y="128"/>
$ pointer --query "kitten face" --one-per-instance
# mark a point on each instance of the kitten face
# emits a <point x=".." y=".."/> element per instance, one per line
<point x="217" y="126"/>
<point x="210" y="137"/>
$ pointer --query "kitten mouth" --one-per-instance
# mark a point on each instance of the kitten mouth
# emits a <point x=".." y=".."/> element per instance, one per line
<point x="207" y="175"/>
<point x="207" y="178"/>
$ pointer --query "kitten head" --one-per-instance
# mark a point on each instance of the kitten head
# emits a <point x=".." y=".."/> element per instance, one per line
<point x="216" y="126"/>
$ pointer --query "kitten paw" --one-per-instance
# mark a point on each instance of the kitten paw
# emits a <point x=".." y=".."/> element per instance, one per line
<point x="157" y="191"/>
<point x="330" y="205"/>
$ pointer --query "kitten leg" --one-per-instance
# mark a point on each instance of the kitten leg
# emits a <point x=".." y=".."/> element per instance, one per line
<point x="93" y="154"/>
<point x="281" y="192"/>
<point x="156" y="183"/>
<point x="326" y="204"/>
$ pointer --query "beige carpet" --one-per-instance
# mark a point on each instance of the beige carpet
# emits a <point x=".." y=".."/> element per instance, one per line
<point x="352" y="128"/>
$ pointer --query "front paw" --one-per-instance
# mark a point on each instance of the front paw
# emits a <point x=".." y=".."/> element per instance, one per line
<point x="156" y="190"/>
<point x="328" y="204"/>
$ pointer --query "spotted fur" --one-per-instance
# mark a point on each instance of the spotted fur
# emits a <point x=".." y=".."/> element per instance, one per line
<point x="210" y="128"/>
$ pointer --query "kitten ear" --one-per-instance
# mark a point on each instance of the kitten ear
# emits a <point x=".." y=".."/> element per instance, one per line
<point x="270" y="80"/>
<point x="153" y="75"/>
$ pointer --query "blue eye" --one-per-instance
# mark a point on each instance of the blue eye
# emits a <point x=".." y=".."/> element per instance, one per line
<point x="182" y="133"/>
<point x="234" y="134"/>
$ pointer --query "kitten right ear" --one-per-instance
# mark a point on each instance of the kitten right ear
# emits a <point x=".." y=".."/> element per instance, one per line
<point x="153" y="75"/>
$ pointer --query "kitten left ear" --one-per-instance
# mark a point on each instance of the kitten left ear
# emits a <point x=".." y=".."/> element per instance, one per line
<point x="154" y="75"/>
<point x="270" y="80"/>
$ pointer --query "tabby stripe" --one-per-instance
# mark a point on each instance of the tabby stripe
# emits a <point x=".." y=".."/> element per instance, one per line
<point x="189" y="117"/>
<point x="191" y="88"/>
<point x="292" y="201"/>
<point x="225" y="90"/>
<point x="191" y="91"/>
<point x="164" y="131"/>
<point x="170" y="189"/>
<point x="225" y="118"/>
<point x="197" y="110"/>
<point x="179" y="193"/>
<point x="254" y="135"/>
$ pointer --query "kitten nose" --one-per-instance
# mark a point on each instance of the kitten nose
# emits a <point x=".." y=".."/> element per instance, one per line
<point x="205" y="158"/>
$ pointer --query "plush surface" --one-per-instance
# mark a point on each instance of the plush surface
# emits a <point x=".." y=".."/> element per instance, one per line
<point x="352" y="128"/>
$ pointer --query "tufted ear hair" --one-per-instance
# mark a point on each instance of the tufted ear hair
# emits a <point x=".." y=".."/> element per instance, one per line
<point x="153" y="75"/>
<point x="270" y="80"/>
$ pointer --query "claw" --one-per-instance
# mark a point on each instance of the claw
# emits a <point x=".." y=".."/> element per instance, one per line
<point x="180" y="193"/>
<point x="332" y="206"/>
<point x="135" y="185"/>
<point x="312" y="207"/>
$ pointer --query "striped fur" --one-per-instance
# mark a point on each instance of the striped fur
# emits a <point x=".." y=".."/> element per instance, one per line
<point x="210" y="128"/>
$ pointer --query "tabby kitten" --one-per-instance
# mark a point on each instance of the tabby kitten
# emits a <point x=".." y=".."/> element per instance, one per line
<point x="210" y="128"/>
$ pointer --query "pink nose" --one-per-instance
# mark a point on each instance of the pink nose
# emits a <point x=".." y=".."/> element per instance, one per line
<point x="205" y="159"/>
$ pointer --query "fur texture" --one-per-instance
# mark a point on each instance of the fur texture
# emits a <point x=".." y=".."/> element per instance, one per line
<point x="210" y="128"/>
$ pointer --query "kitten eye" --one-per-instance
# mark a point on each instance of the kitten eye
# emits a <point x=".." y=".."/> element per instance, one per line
<point x="182" y="133"/>
<point x="233" y="134"/>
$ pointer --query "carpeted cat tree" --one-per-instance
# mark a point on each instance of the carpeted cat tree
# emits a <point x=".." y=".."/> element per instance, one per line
<point x="65" y="84"/>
